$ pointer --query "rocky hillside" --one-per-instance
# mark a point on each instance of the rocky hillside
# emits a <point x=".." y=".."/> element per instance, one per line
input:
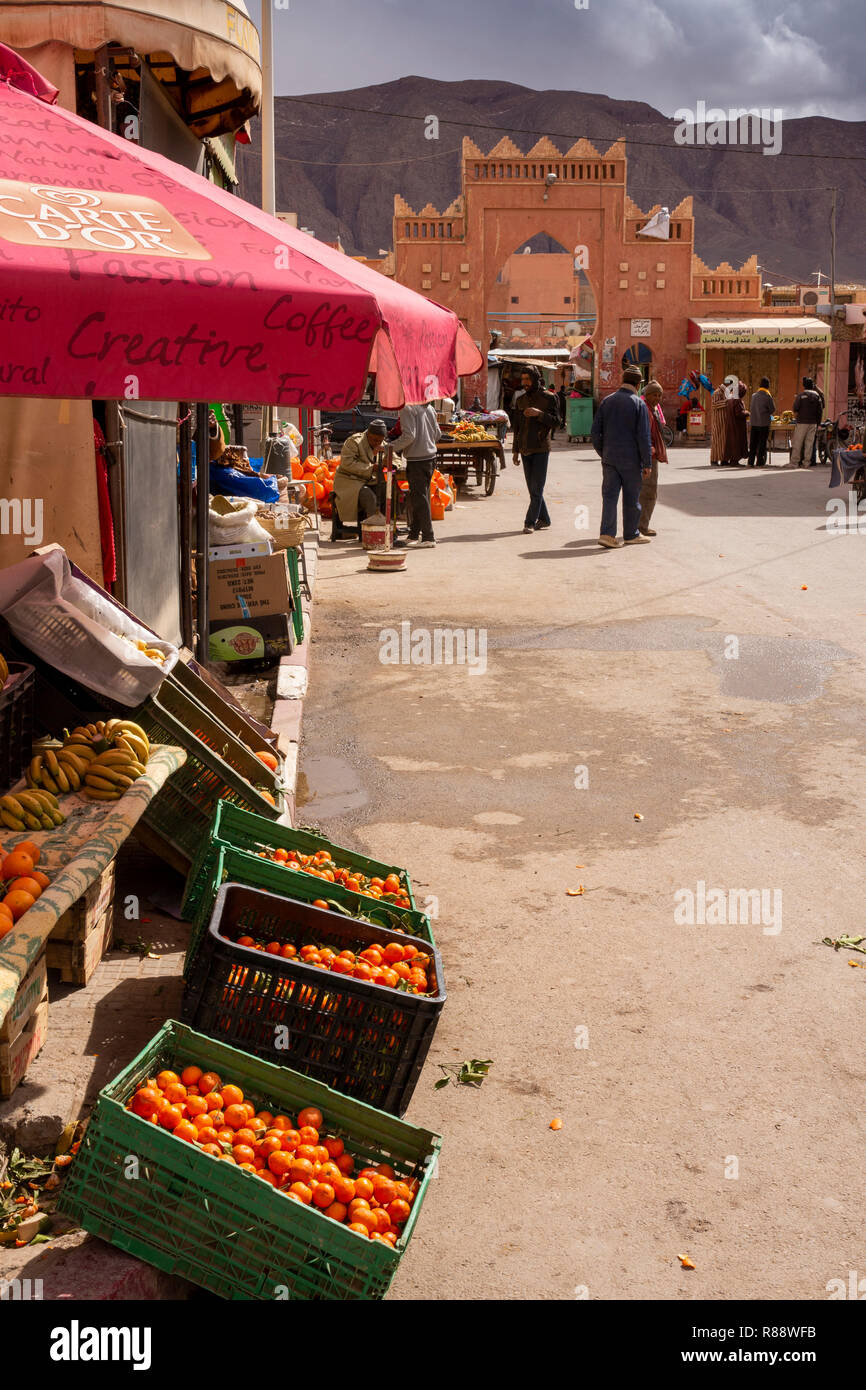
<point x="339" y="170"/>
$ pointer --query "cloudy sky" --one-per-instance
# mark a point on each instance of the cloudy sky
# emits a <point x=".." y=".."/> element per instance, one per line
<point x="805" y="58"/>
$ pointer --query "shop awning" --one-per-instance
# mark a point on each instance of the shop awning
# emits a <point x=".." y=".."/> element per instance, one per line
<point x="764" y="332"/>
<point x="203" y="38"/>
<point x="137" y="279"/>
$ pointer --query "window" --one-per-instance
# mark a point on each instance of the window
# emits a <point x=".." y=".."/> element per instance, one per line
<point x="449" y="229"/>
<point x="416" y="229"/>
<point x="515" y="299"/>
<point x="478" y="171"/>
<point x="423" y="229"/>
<point x="567" y="299"/>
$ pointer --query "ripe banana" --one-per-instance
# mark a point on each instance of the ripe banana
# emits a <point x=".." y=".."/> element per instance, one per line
<point x="49" y="783"/>
<point x="32" y="822"/>
<point x="30" y="802"/>
<point x="48" y="797"/>
<point x="49" y="761"/>
<point x="102" y="784"/>
<point x="114" y="757"/>
<point x="11" y="822"/>
<point x="46" y="822"/>
<point x="97" y="794"/>
<point x="12" y="804"/>
<point x="57" y="817"/>
<point x="111" y="775"/>
<point x="34" y="771"/>
<point x="73" y="776"/>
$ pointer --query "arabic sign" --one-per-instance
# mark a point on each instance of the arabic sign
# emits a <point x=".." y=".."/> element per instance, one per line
<point x="82" y="220"/>
<point x="641" y="328"/>
<point x="756" y="337"/>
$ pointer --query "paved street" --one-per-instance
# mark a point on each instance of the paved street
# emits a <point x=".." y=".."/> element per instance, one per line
<point x="710" y="1076"/>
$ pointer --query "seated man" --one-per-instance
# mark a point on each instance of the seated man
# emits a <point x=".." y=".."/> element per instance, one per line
<point x="356" y="477"/>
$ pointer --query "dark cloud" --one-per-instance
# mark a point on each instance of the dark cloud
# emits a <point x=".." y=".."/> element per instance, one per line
<point x="806" y="59"/>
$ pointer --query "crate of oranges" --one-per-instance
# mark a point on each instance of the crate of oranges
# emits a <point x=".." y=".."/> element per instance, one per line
<point x="353" y="1004"/>
<point x="252" y="850"/>
<point x="246" y="1178"/>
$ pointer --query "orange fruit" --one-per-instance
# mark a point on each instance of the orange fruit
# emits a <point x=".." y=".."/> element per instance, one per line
<point x="310" y="1116"/>
<point x="344" y="1189"/>
<point x="290" y="1140"/>
<point x="269" y="760"/>
<point x="18" y="903"/>
<point x="208" y="1081"/>
<point x="334" y="1146"/>
<point x="206" y="1134"/>
<point x="280" y="1163"/>
<point x="301" y="1192"/>
<point x="212" y="1099"/>
<point x="190" y="1076"/>
<point x="398" y="1211"/>
<point x="346" y="1164"/>
<point x="186" y="1130"/>
<point x="391" y="1237"/>
<point x="196" y="1106"/>
<point x="337" y="1211"/>
<point x="307" y="1151"/>
<point x="231" y="1095"/>
<point x="359" y="1229"/>
<point x="281" y="1122"/>
<point x="29" y="847"/>
<point x="201" y="1121"/>
<point x="329" y="1172"/>
<point x="364" y="1188"/>
<point x="175" y="1093"/>
<point x="16" y="863"/>
<point x="236" y="1117"/>
<point x="323" y="1194"/>
<point x="145" y="1102"/>
<point x="362" y="1216"/>
<point x="300" y="1170"/>
<point x="170" y="1116"/>
<point x="243" y="1153"/>
<point x="309" y="1134"/>
<point x="166" y="1078"/>
<point x="384" y="1190"/>
<point x="26" y="885"/>
<point x="383" y="1221"/>
<point x="270" y="1145"/>
<point x="385" y="1170"/>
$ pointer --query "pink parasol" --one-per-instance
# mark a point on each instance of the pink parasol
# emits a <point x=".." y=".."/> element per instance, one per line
<point x="123" y="275"/>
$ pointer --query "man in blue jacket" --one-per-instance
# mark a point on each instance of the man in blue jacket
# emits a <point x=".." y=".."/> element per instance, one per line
<point x="621" y="435"/>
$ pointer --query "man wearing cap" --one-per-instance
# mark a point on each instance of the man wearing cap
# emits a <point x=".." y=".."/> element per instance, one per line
<point x="355" y="478"/>
<point x="621" y="435"/>
<point x="650" y="490"/>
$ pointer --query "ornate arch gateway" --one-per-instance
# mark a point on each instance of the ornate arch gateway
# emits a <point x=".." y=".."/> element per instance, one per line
<point x="642" y="290"/>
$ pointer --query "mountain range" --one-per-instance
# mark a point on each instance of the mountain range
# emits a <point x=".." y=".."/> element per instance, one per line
<point x="341" y="157"/>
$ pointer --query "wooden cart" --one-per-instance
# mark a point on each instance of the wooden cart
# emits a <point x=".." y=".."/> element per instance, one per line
<point x="484" y="457"/>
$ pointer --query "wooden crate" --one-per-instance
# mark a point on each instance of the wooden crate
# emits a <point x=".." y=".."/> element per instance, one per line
<point x="30" y="993"/>
<point x="16" y="1056"/>
<point x="77" y="960"/>
<point x="79" y="920"/>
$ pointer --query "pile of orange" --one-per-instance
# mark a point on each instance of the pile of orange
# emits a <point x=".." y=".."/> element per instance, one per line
<point x="396" y="966"/>
<point x="22" y="883"/>
<point x="321" y="865"/>
<point x="318" y="474"/>
<point x="294" y="1157"/>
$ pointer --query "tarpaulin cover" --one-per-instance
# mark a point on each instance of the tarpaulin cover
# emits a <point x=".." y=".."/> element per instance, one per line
<point x="124" y="276"/>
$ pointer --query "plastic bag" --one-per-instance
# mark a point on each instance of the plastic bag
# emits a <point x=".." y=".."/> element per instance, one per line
<point x="80" y="632"/>
<point x="232" y="521"/>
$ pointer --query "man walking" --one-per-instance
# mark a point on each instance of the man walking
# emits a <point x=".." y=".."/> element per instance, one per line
<point x="808" y="410"/>
<point x="622" y="437"/>
<point x="649" y="492"/>
<point x="419" y="431"/>
<point x="535" y="414"/>
<point x="762" y="408"/>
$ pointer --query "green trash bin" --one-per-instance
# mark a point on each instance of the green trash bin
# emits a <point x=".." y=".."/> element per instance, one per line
<point x="579" y="416"/>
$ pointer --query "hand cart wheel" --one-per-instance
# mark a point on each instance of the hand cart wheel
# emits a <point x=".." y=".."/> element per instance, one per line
<point x="491" y="468"/>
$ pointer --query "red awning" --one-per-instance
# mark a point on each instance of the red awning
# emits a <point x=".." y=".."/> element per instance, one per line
<point x="126" y="276"/>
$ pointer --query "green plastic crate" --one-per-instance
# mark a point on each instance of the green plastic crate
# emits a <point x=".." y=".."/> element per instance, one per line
<point x="190" y="1214"/>
<point x="219" y="864"/>
<point x="295" y="579"/>
<point x="239" y="829"/>
<point x="218" y="766"/>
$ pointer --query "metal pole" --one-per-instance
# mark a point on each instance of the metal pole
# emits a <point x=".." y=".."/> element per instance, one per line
<point x="202" y="499"/>
<point x="184" y="449"/>
<point x="268" y="180"/>
<point x="238" y="423"/>
<point x="102" y="68"/>
<point x="833" y="257"/>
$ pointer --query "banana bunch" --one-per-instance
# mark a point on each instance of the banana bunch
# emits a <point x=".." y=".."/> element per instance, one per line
<point x="110" y="773"/>
<point x="120" y="734"/>
<point x="30" y="810"/>
<point x="153" y="652"/>
<point x="57" y="771"/>
<point x="4" y="671"/>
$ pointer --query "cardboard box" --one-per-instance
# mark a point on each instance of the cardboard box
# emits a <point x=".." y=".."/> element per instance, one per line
<point x="260" y="640"/>
<point x="249" y="588"/>
<point x="30" y="992"/>
<point x="16" y="1057"/>
<point x="240" y="552"/>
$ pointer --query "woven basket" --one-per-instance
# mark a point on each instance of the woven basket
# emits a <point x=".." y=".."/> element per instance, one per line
<point x="288" y="536"/>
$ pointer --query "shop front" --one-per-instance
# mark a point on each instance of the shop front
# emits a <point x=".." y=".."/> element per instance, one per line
<point x="782" y="349"/>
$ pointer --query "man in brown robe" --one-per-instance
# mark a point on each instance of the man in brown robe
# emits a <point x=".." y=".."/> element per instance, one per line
<point x="652" y="397"/>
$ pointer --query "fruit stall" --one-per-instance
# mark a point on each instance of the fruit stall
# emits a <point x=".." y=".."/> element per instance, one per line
<point x="469" y="447"/>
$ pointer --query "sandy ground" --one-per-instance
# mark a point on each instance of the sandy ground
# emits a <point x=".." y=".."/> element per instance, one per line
<point x="709" y="1077"/>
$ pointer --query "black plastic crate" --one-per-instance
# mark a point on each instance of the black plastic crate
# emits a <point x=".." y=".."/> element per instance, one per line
<point x="16" y="722"/>
<point x="366" y="1040"/>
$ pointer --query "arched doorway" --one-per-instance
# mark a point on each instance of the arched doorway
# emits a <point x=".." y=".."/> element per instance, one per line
<point x="541" y="298"/>
<point x="639" y="355"/>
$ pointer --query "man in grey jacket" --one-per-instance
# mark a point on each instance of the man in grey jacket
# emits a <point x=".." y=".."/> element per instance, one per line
<point x="419" y="432"/>
<point x="762" y="408"/>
